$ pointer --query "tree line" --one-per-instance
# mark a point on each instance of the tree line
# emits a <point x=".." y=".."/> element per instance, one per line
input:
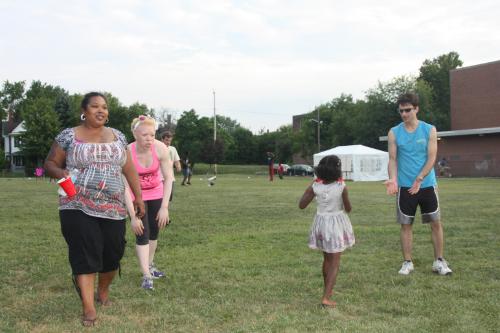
<point x="47" y="109"/>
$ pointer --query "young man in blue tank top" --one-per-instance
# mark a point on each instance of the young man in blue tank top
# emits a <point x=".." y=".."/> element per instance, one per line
<point x="412" y="154"/>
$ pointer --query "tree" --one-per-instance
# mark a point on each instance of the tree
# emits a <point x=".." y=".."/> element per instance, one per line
<point x="40" y="121"/>
<point x="191" y="133"/>
<point x="436" y="73"/>
<point x="166" y="119"/>
<point x="64" y="111"/>
<point x="245" y="146"/>
<point x="120" y="116"/>
<point x="284" y="144"/>
<point x="213" y="151"/>
<point x="10" y="97"/>
<point x="42" y="126"/>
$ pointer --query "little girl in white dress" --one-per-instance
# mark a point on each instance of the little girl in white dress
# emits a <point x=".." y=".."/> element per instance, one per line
<point x="331" y="231"/>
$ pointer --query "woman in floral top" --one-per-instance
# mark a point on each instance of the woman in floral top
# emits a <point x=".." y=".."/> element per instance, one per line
<point x="93" y="220"/>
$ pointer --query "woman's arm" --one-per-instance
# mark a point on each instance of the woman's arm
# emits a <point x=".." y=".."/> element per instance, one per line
<point x="346" y="201"/>
<point x="132" y="177"/>
<point x="307" y="197"/>
<point x="55" y="162"/>
<point x="135" y="222"/>
<point x="166" y="166"/>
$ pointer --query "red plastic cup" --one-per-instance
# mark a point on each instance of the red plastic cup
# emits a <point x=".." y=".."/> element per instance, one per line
<point x="68" y="186"/>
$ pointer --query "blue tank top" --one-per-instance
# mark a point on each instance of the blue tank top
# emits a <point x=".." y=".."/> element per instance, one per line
<point x="412" y="154"/>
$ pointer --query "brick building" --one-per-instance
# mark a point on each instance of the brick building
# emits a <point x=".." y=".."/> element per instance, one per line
<point x="472" y="146"/>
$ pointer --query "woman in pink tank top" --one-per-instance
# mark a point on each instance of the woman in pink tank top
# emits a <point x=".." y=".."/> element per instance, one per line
<point x="153" y="164"/>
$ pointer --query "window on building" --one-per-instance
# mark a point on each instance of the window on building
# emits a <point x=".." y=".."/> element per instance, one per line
<point x="18" y="161"/>
<point x="17" y="141"/>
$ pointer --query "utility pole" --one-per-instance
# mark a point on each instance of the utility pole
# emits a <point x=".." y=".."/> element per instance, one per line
<point x="319" y="123"/>
<point x="215" y="133"/>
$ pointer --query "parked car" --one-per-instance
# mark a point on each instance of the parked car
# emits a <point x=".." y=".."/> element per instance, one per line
<point x="285" y="168"/>
<point x="300" y="170"/>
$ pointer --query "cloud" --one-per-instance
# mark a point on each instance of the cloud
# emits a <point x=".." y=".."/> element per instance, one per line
<point x="270" y="58"/>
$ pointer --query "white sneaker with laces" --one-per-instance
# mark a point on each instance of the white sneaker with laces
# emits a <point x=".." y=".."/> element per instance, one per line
<point x="441" y="267"/>
<point x="406" y="268"/>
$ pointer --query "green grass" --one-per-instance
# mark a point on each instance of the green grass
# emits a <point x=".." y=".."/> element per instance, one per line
<point x="203" y="169"/>
<point x="237" y="258"/>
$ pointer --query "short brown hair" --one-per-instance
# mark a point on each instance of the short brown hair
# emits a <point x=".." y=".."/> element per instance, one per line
<point x="167" y="133"/>
<point x="408" y="98"/>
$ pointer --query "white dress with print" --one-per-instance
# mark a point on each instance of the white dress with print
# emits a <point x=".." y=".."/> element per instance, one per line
<point x="331" y="230"/>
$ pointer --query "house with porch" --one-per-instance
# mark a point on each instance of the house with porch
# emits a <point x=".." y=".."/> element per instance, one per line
<point x="12" y="143"/>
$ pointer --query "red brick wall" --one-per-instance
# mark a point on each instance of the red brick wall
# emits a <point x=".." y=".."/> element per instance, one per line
<point x="471" y="155"/>
<point x="475" y="96"/>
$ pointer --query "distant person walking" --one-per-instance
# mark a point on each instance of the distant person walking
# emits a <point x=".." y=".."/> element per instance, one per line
<point x="270" y="164"/>
<point x="412" y="153"/>
<point x="166" y="138"/>
<point x="187" y="169"/>
<point x="331" y="231"/>
<point x="280" y="170"/>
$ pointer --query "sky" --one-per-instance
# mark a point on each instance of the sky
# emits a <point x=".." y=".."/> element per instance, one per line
<point x="266" y="60"/>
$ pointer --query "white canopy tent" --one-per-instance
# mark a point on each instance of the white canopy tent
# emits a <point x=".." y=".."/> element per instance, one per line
<point x="359" y="163"/>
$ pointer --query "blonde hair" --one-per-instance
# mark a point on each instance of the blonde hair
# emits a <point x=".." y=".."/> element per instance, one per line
<point x="142" y="119"/>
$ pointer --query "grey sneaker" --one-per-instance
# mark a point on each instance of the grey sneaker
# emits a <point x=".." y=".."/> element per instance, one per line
<point x="147" y="283"/>
<point x="441" y="267"/>
<point x="406" y="268"/>
<point x="155" y="272"/>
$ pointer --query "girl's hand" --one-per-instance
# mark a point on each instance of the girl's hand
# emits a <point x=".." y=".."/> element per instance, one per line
<point x="162" y="217"/>
<point x="137" y="226"/>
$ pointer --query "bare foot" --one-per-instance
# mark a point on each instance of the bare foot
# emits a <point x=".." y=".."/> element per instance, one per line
<point x="326" y="303"/>
<point x="89" y="319"/>
<point x="102" y="298"/>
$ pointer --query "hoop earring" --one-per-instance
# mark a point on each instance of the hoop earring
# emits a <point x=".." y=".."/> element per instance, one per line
<point x="107" y="120"/>
<point x="82" y="117"/>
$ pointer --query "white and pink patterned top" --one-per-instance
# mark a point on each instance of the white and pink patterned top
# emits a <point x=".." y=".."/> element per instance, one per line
<point x="99" y="184"/>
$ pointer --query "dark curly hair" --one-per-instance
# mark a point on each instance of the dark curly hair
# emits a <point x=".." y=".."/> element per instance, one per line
<point x="87" y="97"/>
<point x="329" y="169"/>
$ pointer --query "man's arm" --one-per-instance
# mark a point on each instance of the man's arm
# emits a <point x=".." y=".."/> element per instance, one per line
<point x="392" y="183"/>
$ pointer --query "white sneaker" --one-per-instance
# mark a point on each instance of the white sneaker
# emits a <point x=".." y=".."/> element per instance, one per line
<point x="406" y="268"/>
<point x="441" y="267"/>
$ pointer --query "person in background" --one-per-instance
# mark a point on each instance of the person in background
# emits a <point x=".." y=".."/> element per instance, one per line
<point x="444" y="168"/>
<point x="153" y="163"/>
<point x="166" y="138"/>
<point x="93" y="220"/>
<point x="331" y="231"/>
<point x="270" y="165"/>
<point x="412" y="148"/>
<point x="280" y="170"/>
<point x="187" y="169"/>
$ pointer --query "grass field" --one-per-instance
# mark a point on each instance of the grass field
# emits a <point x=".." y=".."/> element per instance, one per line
<point x="237" y="259"/>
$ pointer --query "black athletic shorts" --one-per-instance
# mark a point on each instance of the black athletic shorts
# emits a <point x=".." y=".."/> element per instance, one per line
<point x="407" y="204"/>
<point x="94" y="244"/>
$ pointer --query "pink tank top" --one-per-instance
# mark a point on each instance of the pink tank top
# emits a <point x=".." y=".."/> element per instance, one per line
<point x="150" y="177"/>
